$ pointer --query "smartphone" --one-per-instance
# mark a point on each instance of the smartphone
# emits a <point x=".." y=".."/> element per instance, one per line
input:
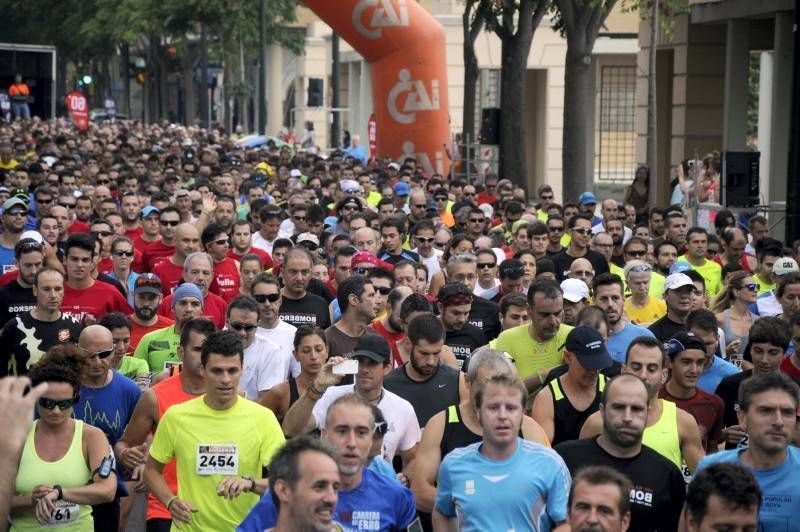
<point x="348" y="367"/>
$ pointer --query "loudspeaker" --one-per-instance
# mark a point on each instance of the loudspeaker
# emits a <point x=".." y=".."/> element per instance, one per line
<point x="314" y="92"/>
<point x="740" y="187"/>
<point x="490" y="125"/>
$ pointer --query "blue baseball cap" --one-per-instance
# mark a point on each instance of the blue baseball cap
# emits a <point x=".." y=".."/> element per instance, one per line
<point x="587" y="198"/>
<point x="147" y="210"/>
<point x="402" y="189"/>
<point x="588" y="347"/>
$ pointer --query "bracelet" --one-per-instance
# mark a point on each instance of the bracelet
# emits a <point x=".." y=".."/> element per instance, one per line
<point x="541" y="379"/>
<point x="170" y="501"/>
<point x="60" y="492"/>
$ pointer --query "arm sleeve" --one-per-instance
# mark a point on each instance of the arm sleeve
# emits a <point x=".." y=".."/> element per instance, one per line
<point x="444" y="498"/>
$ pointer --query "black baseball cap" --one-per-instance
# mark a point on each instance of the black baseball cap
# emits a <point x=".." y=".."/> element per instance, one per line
<point x="683" y="341"/>
<point x="373" y="346"/>
<point x="588" y="347"/>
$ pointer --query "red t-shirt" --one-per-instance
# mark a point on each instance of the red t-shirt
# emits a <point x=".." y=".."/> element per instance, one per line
<point x="743" y="263"/>
<point x="133" y="234"/>
<point x="483" y="197"/>
<point x="141" y="244"/>
<point x="226" y="279"/>
<point x="266" y="260"/>
<point x="78" y="227"/>
<point x="214" y="309"/>
<point x="392" y="338"/>
<point x="169" y="274"/>
<point x="105" y="265"/>
<point x="329" y="284"/>
<point x="154" y="253"/>
<point x="8" y="277"/>
<point x="93" y="301"/>
<point x="788" y="367"/>
<point x="706" y="408"/>
<point x="137" y="331"/>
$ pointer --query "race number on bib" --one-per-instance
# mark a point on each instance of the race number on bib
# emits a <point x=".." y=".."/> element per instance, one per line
<point x="217" y="459"/>
<point x="66" y="513"/>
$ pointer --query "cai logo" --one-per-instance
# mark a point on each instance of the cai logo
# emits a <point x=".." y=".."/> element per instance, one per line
<point x="408" y="96"/>
<point x="369" y="16"/>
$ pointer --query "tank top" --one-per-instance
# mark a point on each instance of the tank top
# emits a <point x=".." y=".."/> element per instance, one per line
<point x="168" y="392"/>
<point x="294" y="393"/>
<point x="730" y="336"/>
<point x="71" y="471"/>
<point x="663" y="437"/>
<point x="456" y="434"/>
<point x="567" y="420"/>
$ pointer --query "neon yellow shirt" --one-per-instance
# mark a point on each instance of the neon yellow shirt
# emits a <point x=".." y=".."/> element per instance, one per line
<point x="711" y="272"/>
<point x="613" y="268"/>
<point x="764" y="286"/>
<point x="240" y="440"/>
<point x="158" y="347"/>
<point x="644" y="316"/>
<point x="657" y="285"/>
<point x="529" y="355"/>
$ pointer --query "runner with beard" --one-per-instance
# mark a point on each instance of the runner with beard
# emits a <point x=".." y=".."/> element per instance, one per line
<point x="159" y="347"/>
<point x="298" y="306"/>
<point x="27" y="337"/>
<point x="390" y="326"/>
<point x="454" y="303"/>
<point x="17" y="296"/>
<point x="146" y="299"/>
<point x="424" y="381"/>
<point x="356" y="297"/>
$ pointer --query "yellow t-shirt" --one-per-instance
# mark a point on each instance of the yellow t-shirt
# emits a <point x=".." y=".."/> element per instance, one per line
<point x="644" y="316"/>
<point x="209" y="445"/>
<point x="711" y="272"/>
<point x="764" y="286"/>
<point x="529" y="355"/>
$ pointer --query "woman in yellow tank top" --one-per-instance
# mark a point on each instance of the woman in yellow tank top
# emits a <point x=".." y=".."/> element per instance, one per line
<point x="53" y="488"/>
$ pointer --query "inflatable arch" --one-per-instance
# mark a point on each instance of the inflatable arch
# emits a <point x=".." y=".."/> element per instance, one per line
<point x="405" y="47"/>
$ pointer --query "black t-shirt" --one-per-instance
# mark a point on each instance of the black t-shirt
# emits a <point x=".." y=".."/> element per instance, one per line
<point x="484" y="315"/>
<point x="658" y="486"/>
<point x="665" y="328"/>
<point x="309" y="309"/>
<point x="25" y="340"/>
<point x="464" y="341"/>
<point x="394" y="259"/>
<point x="428" y="397"/>
<point x="14" y="300"/>
<point x="728" y="391"/>
<point x="318" y="288"/>
<point x="563" y="261"/>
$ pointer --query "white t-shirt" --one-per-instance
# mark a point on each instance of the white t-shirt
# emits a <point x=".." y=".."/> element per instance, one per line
<point x="486" y="293"/>
<point x="265" y="366"/>
<point x="626" y="231"/>
<point x="432" y="262"/>
<point x="404" y="432"/>
<point x="283" y="336"/>
<point x="258" y="241"/>
<point x="286" y="229"/>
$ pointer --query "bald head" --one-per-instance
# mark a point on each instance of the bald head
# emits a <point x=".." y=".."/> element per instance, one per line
<point x="96" y="338"/>
<point x="579" y="265"/>
<point x="184" y="230"/>
<point x="417" y="195"/>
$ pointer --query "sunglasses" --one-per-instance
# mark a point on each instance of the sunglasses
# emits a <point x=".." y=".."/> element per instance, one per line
<point x="120" y="253"/>
<point x="50" y="404"/>
<point x="637" y="253"/>
<point x="353" y="191"/>
<point x="514" y="271"/>
<point x="486" y="265"/>
<point x="362" y="270"/>
<point x="381" y="428"/>
<point x="67" y="205"/>
<point x="150" y="283"/>
<point x="222" y="242"/>
<point x="442" y="198"/>
<point x="582" y="230"/>
<point x="246" y="327"/>
<point x="469" y="194"/>
<point x="422" y="206"/>
<point x="263" y="298"/>
<point x="299" y="218"/>
<point x="100" y="354"/>
<point x="476" y="220"/>
<point x="43" y="201"/>
<point x="441" y="245"/>
<point x="349" y="208"/>
<point x="27" y="246"/>
<point x="103" y="234"/>
<point x="171" y="223"/>
<point x="556" y="229"/>
<point x="753" y="287"/>
<point x="546" y="197"/>
<point x="383" y="290"/>
<point x="640" y="269"/>
<point x="17" y="213"/>
<point x="424" y="239"/>
<point x="103" y="181"/>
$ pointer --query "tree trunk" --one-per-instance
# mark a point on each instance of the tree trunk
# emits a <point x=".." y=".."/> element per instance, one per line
<point x="652" y="125"/>
<point x="513" y="163"/>
<point x="471" y="73"/>
<point x="126" y="80"/>
<point x="577" y="176"/>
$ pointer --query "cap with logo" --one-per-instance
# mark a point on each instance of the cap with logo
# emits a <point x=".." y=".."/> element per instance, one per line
<point x="574" y="290"/>
<point x="588" y="347"/>
<point x="13" y="201"/>
<point x="784" y="266"/>
<point x="374" y="347"/>
<point x="147" y="283"/>
<point x="683" y="341"/>
<point x="677" y="280"/>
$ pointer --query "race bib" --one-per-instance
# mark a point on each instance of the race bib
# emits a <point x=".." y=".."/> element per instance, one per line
<point x="687" y="475"/>
<point x="217" y="459"/>
<point x="170" y="363"/>
<point x="66" y="513"/>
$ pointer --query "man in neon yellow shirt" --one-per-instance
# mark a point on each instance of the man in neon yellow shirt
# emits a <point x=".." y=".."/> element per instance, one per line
<point x="696" y="252"/>
<point x="768" y="251"/>
<point x="539" y="346"/>
<point x="221" y="444"/>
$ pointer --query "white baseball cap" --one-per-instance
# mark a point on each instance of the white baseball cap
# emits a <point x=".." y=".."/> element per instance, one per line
<point x="785" y="265"/>
<point x="677" y="280"/>
<point x="574" y="290"/>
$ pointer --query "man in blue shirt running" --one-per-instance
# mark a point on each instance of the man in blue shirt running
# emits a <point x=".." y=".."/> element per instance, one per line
<point x="367" y="500"/>
<point x="504" y="482"/>
<point x="768" y="410"/>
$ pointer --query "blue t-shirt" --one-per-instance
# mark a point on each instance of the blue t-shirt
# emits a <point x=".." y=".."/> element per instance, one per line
<point x="718" y="370"/>
<point x="526" y="491"/>
<point x="382" y="467"/>
<point x="378" y="503"/>
<point x="780" y="502"/>
<point x="6" y="259"/>
<point x="109" y="409"/>
<point x="618" y="343"/>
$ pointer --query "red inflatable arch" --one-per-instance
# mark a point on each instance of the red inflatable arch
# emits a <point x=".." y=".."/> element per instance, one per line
<point x="405" y="47"/>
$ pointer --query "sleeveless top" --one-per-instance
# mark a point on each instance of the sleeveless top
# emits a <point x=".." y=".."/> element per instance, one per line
<point x="730" y="336"/>
<point x="567" y="420"/>
<point x="168" y="392"/>
<point x="456" y="434"/>
<point x="663" y="437"/>
<point x="294" y="393"/>
<point x="71" y="471"/>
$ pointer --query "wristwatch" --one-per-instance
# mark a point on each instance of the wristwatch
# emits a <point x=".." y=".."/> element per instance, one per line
<point x="252" y="483"/>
